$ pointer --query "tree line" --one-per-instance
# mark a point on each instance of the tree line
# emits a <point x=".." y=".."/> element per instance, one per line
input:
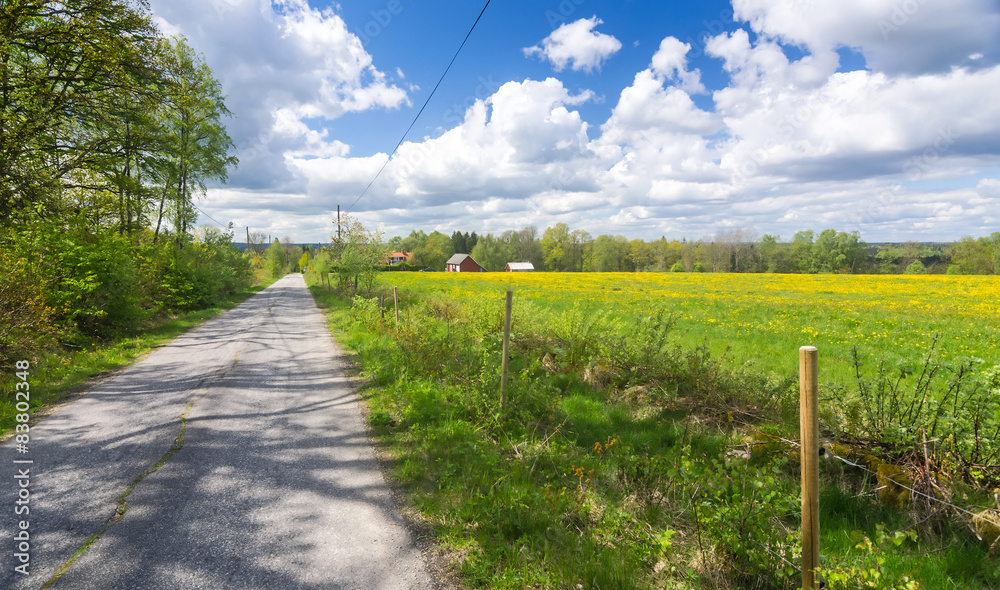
<point x="109" y="132"/>
<point x="562" y="249"/>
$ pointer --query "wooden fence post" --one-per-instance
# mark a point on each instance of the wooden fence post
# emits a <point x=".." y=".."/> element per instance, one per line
<point x="506" y="350"/>
<point x="395" y="300"/>
<point x="809" y="435"/>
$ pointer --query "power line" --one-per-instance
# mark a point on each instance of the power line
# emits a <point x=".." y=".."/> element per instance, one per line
<point x="207" y="215"/>
<point x="431" y="95"/>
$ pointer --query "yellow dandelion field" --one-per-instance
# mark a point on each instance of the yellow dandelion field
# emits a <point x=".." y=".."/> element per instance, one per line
<point x="763" y="319"/>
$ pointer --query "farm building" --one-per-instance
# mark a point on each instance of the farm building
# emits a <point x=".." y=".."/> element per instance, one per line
<point x="397" y="257"/>
<point x="463" y="263"/>
<point x="519" y="267"/>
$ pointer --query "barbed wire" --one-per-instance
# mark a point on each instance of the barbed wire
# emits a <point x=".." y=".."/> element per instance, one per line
<point x="846" y="461"/>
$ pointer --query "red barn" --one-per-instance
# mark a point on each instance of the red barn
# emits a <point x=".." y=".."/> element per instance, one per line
<point x="463" y="263"/>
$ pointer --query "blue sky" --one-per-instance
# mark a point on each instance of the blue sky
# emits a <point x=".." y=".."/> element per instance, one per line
<point x="640" y="118"/>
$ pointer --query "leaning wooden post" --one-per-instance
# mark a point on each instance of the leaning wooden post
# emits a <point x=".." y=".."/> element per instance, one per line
<point x="506" y="350"/>
<point x="809" y="434"/>
<point x="395" y="300"/>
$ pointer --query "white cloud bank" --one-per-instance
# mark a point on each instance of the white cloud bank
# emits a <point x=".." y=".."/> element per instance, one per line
<point x="907" y="149"/>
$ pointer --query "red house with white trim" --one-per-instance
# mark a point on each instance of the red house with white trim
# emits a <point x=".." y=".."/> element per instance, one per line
<point x="397" y="257"/>
<point x="463" y="263"/>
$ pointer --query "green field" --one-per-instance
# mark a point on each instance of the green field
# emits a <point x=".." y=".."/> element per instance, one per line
<point x="764" y="319"/>
<point x="643" y="442"/>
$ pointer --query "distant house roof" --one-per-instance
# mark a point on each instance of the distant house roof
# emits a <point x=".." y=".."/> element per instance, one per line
<point x="397" y="257"/>
<point x="457" y="259"/>
<point x="513" y="266"/>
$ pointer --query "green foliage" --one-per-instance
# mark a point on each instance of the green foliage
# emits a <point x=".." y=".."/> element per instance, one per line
<point x="277" y="264"/>
<point x="97" y="287"/>
<point x="197" y="142"/>
<point x="358" y="253"/>
<point x="743" y="511"/>
<point x="971" y="256"/>
<point x="489" y="254"/>
<point x="431" y="251"/>
<point x="837" y="252"/>
<point x="953" y="403"/>
<point x="25" y="317"/>
<point x="610" y="254"/>
<point x="69" y="73"/>
<point x="201" y="274"/>
<point x="698" y="267"/>
<point x="563" y="249"/>
<point x="995" y="238"/>
<point x="104" y="126"/>
<point x="677" y="267"/>
<point x="872" y="573"/>
<point x="98" y="284"/>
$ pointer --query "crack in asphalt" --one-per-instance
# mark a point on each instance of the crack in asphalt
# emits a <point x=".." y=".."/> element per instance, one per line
<point x="122" y="505"/>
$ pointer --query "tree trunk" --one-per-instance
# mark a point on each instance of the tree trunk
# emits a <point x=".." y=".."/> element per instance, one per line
<point x="159" y="218"/>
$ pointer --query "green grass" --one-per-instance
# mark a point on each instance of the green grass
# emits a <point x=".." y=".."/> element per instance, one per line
<point x="62" y="372"/>
<point x="762" y="320"/>
<point x="629" y="485"/>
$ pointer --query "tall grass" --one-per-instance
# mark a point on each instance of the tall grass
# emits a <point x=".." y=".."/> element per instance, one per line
<point x="621" y="460"/>
<point x="758" y="319"/>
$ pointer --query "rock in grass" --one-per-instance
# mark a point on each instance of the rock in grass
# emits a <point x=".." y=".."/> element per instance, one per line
<point x="987" y="525"/>
<point x="893" y="485"/>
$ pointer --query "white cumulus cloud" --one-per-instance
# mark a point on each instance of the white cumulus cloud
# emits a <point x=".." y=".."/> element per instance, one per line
<point x="280" y="63"/>
<point x="576" y="45"/>
<point x="896" y="36"/>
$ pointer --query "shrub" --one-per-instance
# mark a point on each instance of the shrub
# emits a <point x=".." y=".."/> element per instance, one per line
<point x="94" y="287"/>
<point x="951" y="402"/>
<point x="277" y="265"/>
<point x="24" y="315"/>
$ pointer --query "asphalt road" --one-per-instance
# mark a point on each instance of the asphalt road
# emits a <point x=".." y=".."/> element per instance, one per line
<point x="274" y="484"/>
